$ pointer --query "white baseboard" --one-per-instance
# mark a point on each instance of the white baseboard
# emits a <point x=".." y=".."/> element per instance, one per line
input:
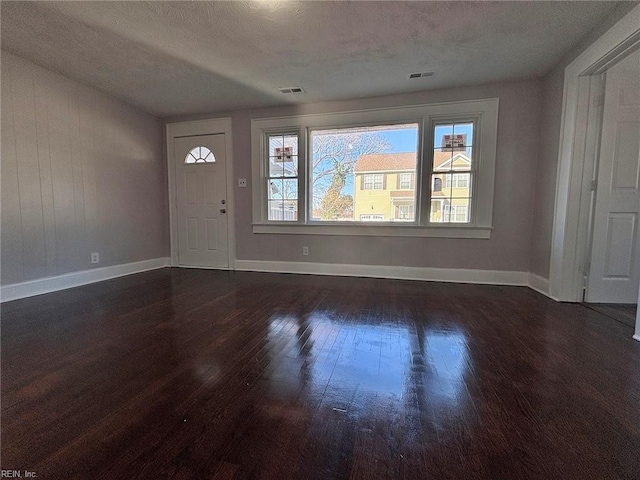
<point x="76" y="279"/>
<point x="455" y="275"/>
<point x="539" y="284"/>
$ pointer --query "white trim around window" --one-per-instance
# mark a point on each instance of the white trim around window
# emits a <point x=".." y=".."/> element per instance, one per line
<point x="484" y="115"/>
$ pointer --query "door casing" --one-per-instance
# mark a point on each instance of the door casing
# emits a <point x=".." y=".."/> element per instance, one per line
<point x="577" y="157"/>
<point x="193" y="128"/>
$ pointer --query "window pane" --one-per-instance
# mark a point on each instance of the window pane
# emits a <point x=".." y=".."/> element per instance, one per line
<point x="452" y="148"/>
<point x="441" y="135"/>
<point x="281" y="145"/>
<point x="435" y="215"/>
<point x="450" y="210"/>
<point x="437" y="182"/>
<point x="404" y="212"/>
<point x="283" y="199"/>
<point x="354" y="174"/>
<point x="457" y="184"/>
<point x="462" y="160"/>
<point x="283" y="155"/>
<point x="452" y="161"/>
<point x="284" y="169"/>
<point x="453" y="135"/>
<point x="465" y="129"/>
<point x="459" y="210"/>
<point x="291" y="143"/>
<point x="451" y="183"/>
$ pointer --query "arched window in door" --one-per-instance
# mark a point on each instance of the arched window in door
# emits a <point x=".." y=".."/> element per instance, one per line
<point x="200" y="155"/>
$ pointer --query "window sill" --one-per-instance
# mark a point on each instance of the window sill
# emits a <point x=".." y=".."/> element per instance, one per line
<point x="448" y="231"/>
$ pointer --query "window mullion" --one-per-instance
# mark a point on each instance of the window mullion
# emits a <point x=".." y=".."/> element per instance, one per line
<point x="303" y="176"/>
<point x="425" y="164"/>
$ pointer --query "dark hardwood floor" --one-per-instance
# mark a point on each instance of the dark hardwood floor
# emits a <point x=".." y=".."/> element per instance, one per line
<point x="189" y="374"/>
<point x="622" y="312"/>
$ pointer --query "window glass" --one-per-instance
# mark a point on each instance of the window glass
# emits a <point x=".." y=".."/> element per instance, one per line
<point x="452" y="177"/>
<point x="353" y="172"/>
<point x="200" y="155"/>
<point x="282" y="180"/>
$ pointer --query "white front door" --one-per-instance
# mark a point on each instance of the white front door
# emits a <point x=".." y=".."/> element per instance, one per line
<point x="201" y="197"/>
<point x="615" y="259"/>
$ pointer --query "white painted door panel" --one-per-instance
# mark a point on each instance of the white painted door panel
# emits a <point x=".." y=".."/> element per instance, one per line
<point x="201" y="196"/>
<point x="614" y="274"/>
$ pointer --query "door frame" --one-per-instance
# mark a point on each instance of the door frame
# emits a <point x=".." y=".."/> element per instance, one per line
<point x="195" y="128"/>
<point x="600" y="161"/>
<point x="578" y="154"/>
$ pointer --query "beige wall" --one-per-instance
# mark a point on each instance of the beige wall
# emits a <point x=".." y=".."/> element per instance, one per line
<point x="509" y="246"/>
<point x="81" y="172"/>
<point x="546" y="172"/>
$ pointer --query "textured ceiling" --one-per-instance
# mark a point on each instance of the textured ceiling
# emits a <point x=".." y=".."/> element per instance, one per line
<point x="174" y="58"/>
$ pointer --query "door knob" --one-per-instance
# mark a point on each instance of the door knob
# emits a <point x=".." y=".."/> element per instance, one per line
<point x="223" y="202"/>
<point x="222" y="210"/>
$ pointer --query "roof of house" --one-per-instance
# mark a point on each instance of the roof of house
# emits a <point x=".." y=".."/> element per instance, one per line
<point x="378" y="162"/>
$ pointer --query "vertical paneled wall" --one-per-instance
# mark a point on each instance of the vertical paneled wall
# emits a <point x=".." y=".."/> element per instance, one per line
<point x="81" y="172"/>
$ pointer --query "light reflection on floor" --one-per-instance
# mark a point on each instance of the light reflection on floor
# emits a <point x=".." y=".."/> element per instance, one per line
<point x="352" y="366"/>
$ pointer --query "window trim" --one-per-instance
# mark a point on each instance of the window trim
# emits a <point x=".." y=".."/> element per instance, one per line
<point x="266" y="174"/>
<point x="485" y="111"/>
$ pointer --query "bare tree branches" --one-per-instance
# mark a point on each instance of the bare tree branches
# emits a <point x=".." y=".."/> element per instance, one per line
<point x="334" y="155"/>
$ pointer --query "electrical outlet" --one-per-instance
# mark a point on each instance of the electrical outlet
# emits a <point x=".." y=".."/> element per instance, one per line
<point x="95" y="258"/>
<point x="305" y="250"/>
<point x="242" y="182"/>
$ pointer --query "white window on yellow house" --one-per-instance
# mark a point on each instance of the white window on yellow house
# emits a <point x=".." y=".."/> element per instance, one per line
<point x="459" y="213"/>
<point x="373" y="182"/>
<point x="405" y="181"/>
<point x="404" y="212"/>
<point x="455" y="213"/>
<point x="460" y="180"/>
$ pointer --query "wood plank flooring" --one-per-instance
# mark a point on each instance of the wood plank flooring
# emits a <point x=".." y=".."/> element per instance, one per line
<point x="625" y="312"/>
<point x="189" y="374"/>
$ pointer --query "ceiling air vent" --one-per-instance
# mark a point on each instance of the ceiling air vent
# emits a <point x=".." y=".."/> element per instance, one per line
<point x="291" y="90"/>
<point x="421" y="74"/>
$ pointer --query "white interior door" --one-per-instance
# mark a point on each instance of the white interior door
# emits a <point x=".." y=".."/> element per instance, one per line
<point x="614" y="273"/>
<point x="201" y="201"/>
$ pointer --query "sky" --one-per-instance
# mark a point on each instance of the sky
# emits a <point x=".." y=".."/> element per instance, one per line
<point x="405" y="140"/>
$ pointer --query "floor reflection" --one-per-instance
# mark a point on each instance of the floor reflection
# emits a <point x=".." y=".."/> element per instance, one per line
<point x="353" y="367"/>
<point x="446" y="355"/>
